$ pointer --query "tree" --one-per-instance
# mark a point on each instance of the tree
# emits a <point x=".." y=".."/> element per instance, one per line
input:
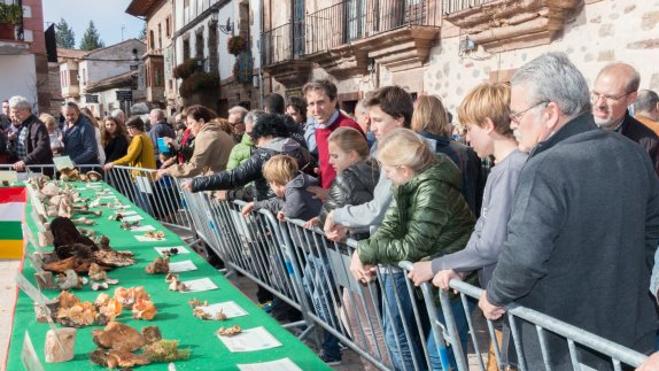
<point x="91" y="39"/>
<point x="64" y="35"/>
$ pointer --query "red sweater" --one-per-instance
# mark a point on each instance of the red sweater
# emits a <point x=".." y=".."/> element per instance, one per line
<point x="326" y="171"/>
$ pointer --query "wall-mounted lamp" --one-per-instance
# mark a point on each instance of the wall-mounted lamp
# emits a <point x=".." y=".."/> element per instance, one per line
<point x="467" y="45"/>
<point x="227" y="28"/>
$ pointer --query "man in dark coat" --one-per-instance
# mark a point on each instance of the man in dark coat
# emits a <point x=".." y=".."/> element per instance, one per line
<point x="32" y="142"/>
<point x="584" y="225"/>
<point x="615" y="89"/>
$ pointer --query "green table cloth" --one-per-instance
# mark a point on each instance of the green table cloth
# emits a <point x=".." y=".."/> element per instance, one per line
<point x="174" y="317"/>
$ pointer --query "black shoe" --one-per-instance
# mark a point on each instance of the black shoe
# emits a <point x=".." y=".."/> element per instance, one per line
<point x="330" y="361"/>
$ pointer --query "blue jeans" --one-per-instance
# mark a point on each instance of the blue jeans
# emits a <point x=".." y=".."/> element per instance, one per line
<point x="401" y="348"/>
<point x="318" y="284"/>
<point x="462" y="327"/>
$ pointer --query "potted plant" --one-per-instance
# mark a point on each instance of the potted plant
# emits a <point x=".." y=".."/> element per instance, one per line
<point x="236" y="44"/>
<point x="10" y="16"/>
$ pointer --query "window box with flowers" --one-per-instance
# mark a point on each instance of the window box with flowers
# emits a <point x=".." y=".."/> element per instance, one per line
<point x="236" y="45"/>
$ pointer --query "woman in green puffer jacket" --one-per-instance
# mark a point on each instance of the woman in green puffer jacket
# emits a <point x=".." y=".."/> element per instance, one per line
<point x="428" y="217"/>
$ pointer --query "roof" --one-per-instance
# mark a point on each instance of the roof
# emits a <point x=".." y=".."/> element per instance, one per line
<point x="142" y="8"/>
<point x="95" y="51"/>
<point x="71" y="53"/>
<point x="123" y="80"/>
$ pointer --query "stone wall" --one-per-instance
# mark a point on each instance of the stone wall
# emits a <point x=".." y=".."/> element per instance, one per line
<point x="603" y="32"/>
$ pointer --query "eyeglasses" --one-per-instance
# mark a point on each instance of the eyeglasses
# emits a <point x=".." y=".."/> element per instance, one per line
<point x="516" y="116"/>
<point x="595" y="96"/>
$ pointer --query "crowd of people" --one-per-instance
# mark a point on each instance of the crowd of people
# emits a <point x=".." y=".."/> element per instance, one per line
<point x="544" y="192"/>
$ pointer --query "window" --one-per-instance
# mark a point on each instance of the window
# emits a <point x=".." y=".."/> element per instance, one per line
<point x="159" y="36"/>
<point x="151" y="40"/>
<point x="186" y="49"/>
<point x="168" y="30"/>
<point x="83" y="77"/>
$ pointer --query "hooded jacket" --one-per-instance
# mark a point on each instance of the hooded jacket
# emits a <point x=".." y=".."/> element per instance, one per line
<point x="212" y="146"/>
<point x="250" y="170"/>
<point x="298" y="203"/>
<point x="427" y="217"/>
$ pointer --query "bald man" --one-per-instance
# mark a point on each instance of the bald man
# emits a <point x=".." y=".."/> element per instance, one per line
<point x="615" y="89"/>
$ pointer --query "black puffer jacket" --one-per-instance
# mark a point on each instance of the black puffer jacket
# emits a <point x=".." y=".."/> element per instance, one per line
<point x="250" y="170"/>
<point x="353" y="186"/>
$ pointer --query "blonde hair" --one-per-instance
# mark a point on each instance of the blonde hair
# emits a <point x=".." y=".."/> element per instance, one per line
<point x="430" y="115"/>
<point x="403" y="147"/>
<point x="350" y="139"/>
<point x="280" y="169"/>
<point x="485" y="101"/>
<point x="48" y="120"/>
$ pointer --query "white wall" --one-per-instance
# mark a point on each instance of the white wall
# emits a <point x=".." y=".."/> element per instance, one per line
<point x="227" y="60"/>
<point x="24" y="81"/>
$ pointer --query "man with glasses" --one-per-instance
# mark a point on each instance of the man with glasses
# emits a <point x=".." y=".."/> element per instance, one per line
<point x="615" y="89"/>
<point x="584" y="222"/>
<point x="237" y="120"/>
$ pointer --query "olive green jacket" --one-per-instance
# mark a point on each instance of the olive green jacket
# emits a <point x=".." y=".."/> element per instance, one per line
<point x="428" y="217"/>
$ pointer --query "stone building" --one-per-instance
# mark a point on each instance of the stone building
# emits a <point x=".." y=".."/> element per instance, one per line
<point x="159" y="61"/>
<point x="23" y="53"/>
<point x="445" y="47"/>
<point x="69" y="60"/>
<point x="202" y="32"/>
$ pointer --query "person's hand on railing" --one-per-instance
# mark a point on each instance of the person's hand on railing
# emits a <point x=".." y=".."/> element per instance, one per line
<point x="490" y="311"/>
<point x="220" y="195"/>
<point x="362" y="273"/>
<point x="247" y="209"/>
<point x="19" y="166"/>
<point x="442" y="278"/>
<point x="108" y="166"/>
<point x="334" y="232"/>
<point x="187" y="185"/>
<point x="160" y="173"/>
<point x="421" y="272"/>
<point x="312" y="223"/>
<point x="318" y="192"/>
<point x="281" y="216"/>
<point x="651" y="364"/>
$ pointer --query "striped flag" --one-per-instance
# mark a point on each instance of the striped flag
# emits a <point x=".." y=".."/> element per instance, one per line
<point x="12" y="214"/>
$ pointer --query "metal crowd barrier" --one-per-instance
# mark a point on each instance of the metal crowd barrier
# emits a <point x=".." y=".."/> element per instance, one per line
<point x="161" y="199"/>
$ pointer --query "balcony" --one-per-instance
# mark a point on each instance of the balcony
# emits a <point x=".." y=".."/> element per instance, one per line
<point x="11" y="28"/>
<point x="282" y="51"/>
<point x="499" y="25"/>
<point x="396" y="33"/>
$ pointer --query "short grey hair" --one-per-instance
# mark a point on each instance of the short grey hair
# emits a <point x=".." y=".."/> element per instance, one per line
<point x="19" y="102"/>
<point x="118" y="114"/>
<point x="253" y="115"/>
<point x="159" y="113"/>
<point x="646" y="101"/>
<point x="239" y="109"/>
<point x="551" y="77"/>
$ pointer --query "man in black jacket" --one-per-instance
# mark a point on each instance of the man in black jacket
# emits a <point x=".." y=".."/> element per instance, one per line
<point x="32" y="142"/>
<point x="615" y="89"/>
<point x="584" y="225"/>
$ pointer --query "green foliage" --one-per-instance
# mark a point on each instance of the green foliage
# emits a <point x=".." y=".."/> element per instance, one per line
<point x="91" y="39"/>
<point x="64" y="35"/>
<point x="199" y="82"/>
<point x="10" y="13"/>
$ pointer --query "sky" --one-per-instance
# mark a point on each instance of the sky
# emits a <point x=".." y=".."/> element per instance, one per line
<point x="108" y="15"/>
